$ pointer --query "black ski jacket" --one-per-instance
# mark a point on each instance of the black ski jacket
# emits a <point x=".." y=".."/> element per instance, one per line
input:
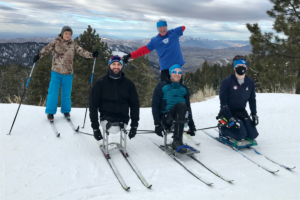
<point x="113" y="98"/>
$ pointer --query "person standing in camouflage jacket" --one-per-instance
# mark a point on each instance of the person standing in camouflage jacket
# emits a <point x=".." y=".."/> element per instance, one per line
<point x="63" y="50"/>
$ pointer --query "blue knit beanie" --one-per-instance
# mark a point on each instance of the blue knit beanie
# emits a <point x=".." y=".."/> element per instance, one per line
<point x="174" y="67"/>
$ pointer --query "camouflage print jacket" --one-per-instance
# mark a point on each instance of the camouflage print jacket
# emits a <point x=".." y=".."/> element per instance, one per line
<point x="63" y="54"/>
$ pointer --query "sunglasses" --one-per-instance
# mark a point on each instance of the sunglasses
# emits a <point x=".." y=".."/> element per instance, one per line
<point x="175" y="72"/>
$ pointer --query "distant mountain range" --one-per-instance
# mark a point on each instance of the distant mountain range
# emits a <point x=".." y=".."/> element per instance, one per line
<point x="195" y="50"/>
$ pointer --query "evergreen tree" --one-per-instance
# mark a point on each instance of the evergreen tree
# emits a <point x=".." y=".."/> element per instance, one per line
<point x="275" y="58"/>
<point x="83" y="67"/>
<point x="39" y="83"/>
<point x="13" y="80"/>
<point x="139" y="72"/>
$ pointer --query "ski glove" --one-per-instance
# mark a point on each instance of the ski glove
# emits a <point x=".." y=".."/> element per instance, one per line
<point x="191" y="131"/>
<point x="132" y="132"/>
<point x="36" y="58"/>
<point x="96" y="54"/>
<point x="97" y="134"/>
<point x="255" y="120"/>
<point x="159" y="130"/>
<point x="233" y="123"/>
<point x="126" y="58"/>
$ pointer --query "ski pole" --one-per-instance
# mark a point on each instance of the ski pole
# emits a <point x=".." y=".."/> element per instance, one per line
<point x="89" y="91"/>
<point x="22" y="98"/>
<point x="206" y="128"/>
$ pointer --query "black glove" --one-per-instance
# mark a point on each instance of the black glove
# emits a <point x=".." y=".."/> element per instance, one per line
<point x="36" y="58"/>
<point x="96" y="54"/>
<point x="159" y="130"/>
<point x="233" y="123"/>
<point x="132" y="132"/>
<point x="255" y="120"/>
<point x="97" y="134"/>
<point x="126" y="58"/>
<point x="191" y="131"/>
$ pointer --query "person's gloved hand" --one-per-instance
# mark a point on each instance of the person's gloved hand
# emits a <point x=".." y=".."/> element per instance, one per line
<point x="97" y="134"/>
<point x="159" y="130"/>
<point x="96" y="54"/>
<point x="191" y="131"/>
<point x="126" y="58"/>
<point x="233" y="123"/>
<point x="132" y="132"/>
<point x="36" y="57"/>
<point x="255" y="120"/>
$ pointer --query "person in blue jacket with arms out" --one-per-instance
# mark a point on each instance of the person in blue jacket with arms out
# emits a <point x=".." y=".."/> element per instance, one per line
<point x="235" y="91"/>
<point x="167" y="47"/>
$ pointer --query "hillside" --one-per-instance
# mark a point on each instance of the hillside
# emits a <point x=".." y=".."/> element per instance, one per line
<point x="34" y="164"/>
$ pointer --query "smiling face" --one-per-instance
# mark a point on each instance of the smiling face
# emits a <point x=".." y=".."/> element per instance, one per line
<point x="162" y="30"/>
<point x="67" y="35"/>
<point x="176" y="77"/>
<point x="116" y="67"/>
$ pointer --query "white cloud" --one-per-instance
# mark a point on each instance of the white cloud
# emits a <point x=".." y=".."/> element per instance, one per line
<point x="215" y="19"/>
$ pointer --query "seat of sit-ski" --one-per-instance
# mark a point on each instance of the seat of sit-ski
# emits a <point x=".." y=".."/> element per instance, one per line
<point x="111" y="127"/>
<point x="247" y="142"/>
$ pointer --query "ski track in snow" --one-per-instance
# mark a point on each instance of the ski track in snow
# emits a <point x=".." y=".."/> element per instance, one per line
<point x="34" y="164"/>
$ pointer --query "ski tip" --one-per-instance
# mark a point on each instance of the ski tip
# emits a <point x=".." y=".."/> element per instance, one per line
<point x="127" y="189"/>
<point x="149" y="187"/>
<point x="58" y="135"/>
<point x="77" y="129"/>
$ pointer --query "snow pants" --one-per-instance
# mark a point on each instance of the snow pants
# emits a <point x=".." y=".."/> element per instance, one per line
<point x="57" y="80"/>
<point x="247" y="129"/>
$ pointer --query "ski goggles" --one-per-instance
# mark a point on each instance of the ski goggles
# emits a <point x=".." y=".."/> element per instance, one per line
<point x="176" y="72"/>
<point x="115" y="59"/>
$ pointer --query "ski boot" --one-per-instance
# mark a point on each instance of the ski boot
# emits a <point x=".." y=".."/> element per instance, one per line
<point x="50" y="116"/>
<point x="67" y="115"/>
<point x="177" y="144"/>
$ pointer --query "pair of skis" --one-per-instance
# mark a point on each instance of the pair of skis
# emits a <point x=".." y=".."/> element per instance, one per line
<point x="131" y="164"/>
<point x="192" y="156"/>
<point x="248" y="158"/>
<point x="57" y="134"/>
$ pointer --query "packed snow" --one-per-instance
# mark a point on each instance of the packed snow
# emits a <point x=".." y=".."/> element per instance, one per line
<point x="34" y="164"/>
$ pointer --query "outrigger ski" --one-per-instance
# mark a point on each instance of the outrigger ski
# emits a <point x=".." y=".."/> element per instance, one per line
<point x="275" y="162"/>
<point x="238" y="151"/>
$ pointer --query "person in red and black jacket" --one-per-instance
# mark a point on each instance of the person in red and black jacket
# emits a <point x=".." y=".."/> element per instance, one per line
<point x="167" y="47"/>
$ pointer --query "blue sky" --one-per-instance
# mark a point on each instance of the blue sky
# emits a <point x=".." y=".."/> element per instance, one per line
<point x="134" y="19"/>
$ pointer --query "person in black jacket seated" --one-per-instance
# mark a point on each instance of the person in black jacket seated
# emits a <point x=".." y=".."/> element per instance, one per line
<point x="170" y="103"/>
<point x="113" y="95"/>
<point x="235" y="91"/>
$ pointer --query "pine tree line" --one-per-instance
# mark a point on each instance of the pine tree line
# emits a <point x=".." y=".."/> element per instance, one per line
<point x="13" y="77"/>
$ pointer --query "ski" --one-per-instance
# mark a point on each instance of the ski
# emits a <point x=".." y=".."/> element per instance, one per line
<point x="72" y="125"/>
<point x="184" y="166"/>
<point x="190" y="138"/>
<point x="133" y="166"/>
<point x="211" y="170"/>
<point x="235" y="149"/>
<point x="275" y="162"/>
<point x="114" y="169"/>
<point x="54" y="128"/>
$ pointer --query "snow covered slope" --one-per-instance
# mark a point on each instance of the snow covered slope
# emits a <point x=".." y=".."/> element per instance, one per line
<point x="34" y="164"/>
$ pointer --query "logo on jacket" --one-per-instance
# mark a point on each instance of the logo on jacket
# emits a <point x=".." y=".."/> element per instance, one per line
<point x="247" y="88"/>
<point x="235" y="87"/>
<point x="166" y="41"/>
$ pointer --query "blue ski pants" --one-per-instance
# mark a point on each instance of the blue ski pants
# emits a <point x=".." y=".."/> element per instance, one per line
<point x="247" y="129"/>
<point x="57" y="80"/>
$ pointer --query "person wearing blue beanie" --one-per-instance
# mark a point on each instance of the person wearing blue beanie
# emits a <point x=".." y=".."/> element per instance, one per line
<point x="167" y="47"/>
<point x="171" y="106"/>
<point x="235" y="91"/>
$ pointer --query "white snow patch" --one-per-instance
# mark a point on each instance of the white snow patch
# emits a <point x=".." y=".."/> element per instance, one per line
<point x="34" y="164"/>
